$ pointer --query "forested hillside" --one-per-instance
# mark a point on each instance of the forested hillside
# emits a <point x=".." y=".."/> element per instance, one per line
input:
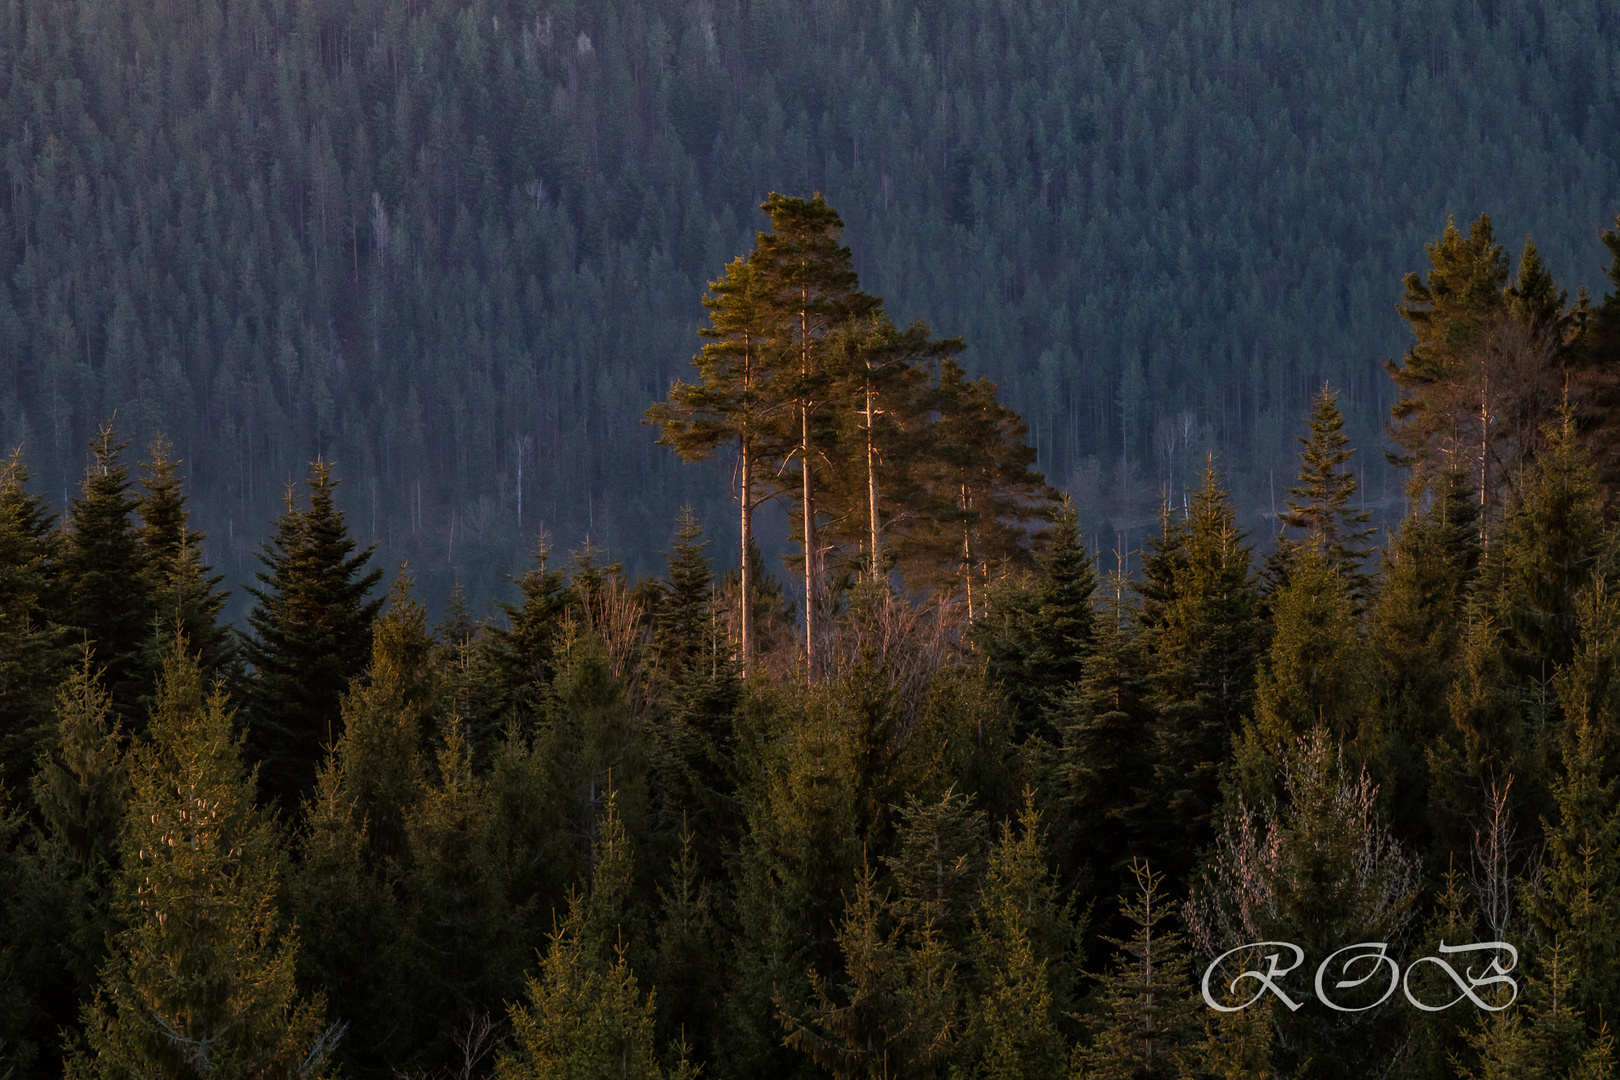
<point x="456" y="247"/>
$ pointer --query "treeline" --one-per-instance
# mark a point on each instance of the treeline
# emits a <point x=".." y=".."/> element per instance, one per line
<point x="457" y="246"/>
<point x="577" y="840"/>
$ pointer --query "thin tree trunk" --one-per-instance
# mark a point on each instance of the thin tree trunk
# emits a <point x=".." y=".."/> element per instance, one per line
<point x="809" y="545"/>
<point x="747" y="538"/>
<point x="871" y="483"/>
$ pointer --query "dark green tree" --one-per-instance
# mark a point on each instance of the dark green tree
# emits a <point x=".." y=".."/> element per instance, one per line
<point x="311" y="634"/>
<point x="1202" y="634"/>
<point x="1319" y="504"/>
<point x="186" y="596"/>
<point x="30" y="655"/>
<point x="202" y="980"/>
<point x="105" y="578"/>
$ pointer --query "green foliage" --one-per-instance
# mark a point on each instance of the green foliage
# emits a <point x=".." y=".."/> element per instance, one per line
<point x="105" y="582"/>
<point x="1145" y="1020"/>
<point x="29" y="657"/>
<point x="1324" y="492"/>
<point x="311" y="627"/>
<point x="202" y="980"/>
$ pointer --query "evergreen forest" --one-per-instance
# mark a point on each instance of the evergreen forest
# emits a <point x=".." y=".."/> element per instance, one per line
<point x="454" y="246"/>
<point x="749" y="539"/>
<point x="955" y="798"/>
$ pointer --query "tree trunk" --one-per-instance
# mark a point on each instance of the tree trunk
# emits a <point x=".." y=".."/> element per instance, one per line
<point x="809" y="545"/>
<point x="871" y="483"/>
<point x="747" y="537"/>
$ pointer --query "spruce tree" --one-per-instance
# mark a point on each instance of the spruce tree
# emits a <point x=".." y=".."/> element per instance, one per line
<point x="1323" y="495"/>
<point x="1023" y="950"/>
<point x="523" y="653"/>
<point x="185" y="595"/>
<point x="105" y="581"/>
<point x="585" y="1014"/>
<point x="1106" y="760"/>
<point x="1203" y="634"/>
<point x="30" y="653"/>
<point x="1144" y="1026"/>
<point x="312" y="632"/>
<point x="1415" y="633"/>
<point x="202" y="981"/>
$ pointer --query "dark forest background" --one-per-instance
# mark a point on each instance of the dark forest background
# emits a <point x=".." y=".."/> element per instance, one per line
<point x="457" y="247"/>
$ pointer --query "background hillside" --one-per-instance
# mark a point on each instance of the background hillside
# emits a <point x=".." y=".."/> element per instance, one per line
<point x="450" y="245"/>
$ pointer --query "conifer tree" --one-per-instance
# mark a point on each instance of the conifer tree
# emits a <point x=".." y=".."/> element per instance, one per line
<point x="1023" y="950"/>
<point x="1145" y="1026"/>
<point x="185" y="595"/>
<point x="688" y="953"/>
<point x="466" y="954"/>
<point x="857" y="1033"/>
<point x="1315" y="674"/>
<point x="523" y="653"/>
<point x="585" y="1014"/>
<point x="1449" y="311"/>
<point x="354" y="940"/>
<point x="729" y="403"/>
<point x="1415" y="634"/>
<point x="1594" y="366"/>
<point x="982" y="490"/>
<point x="1323" y="495"/>
<point x="1203" y="634"/>
<point x="808" y="286"/>
<point x="312" y="632"/>
<point x="1036" y="633"/>
<point x="202" y="981"/>
<point x="1106" y="757"/>
<point x="29" y="652"/>
<point x="387" y="723"/>
<point x="105" y="580"/>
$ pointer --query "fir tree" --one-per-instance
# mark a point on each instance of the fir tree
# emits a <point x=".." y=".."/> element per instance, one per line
<point x="29" y="646"/>
<point x="1023" y="950"/>
<point x="523" y="653"/>
<point x="1106" y="758"/>
<point x="312" y="629"/>
<point x="202" y="981"/>
<point x="585" y="1014"/>
<point x="1145" y="1022"/>
<point x="185" y="595"/>
<point x="1202" y="633"/>
<point x="1323" y="495"/>
<point x="105" y="578"/>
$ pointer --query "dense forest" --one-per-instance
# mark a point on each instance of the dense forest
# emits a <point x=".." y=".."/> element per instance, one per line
<point x="976" y="810"/>
<point x="455" y="247"/>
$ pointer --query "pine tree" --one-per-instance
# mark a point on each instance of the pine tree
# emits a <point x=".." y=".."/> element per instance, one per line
<point x="202" y="981"/>
<point x="808" y="286"/>
<point x="1324" y="492"/>
<point x="30" y="655"/>
<point x="105" y="580"/>
<point x="1449" y="311"/>
<point x="312" y="631"/>
<point x="1594" y="366"/>
<point x="728" y="404"/>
